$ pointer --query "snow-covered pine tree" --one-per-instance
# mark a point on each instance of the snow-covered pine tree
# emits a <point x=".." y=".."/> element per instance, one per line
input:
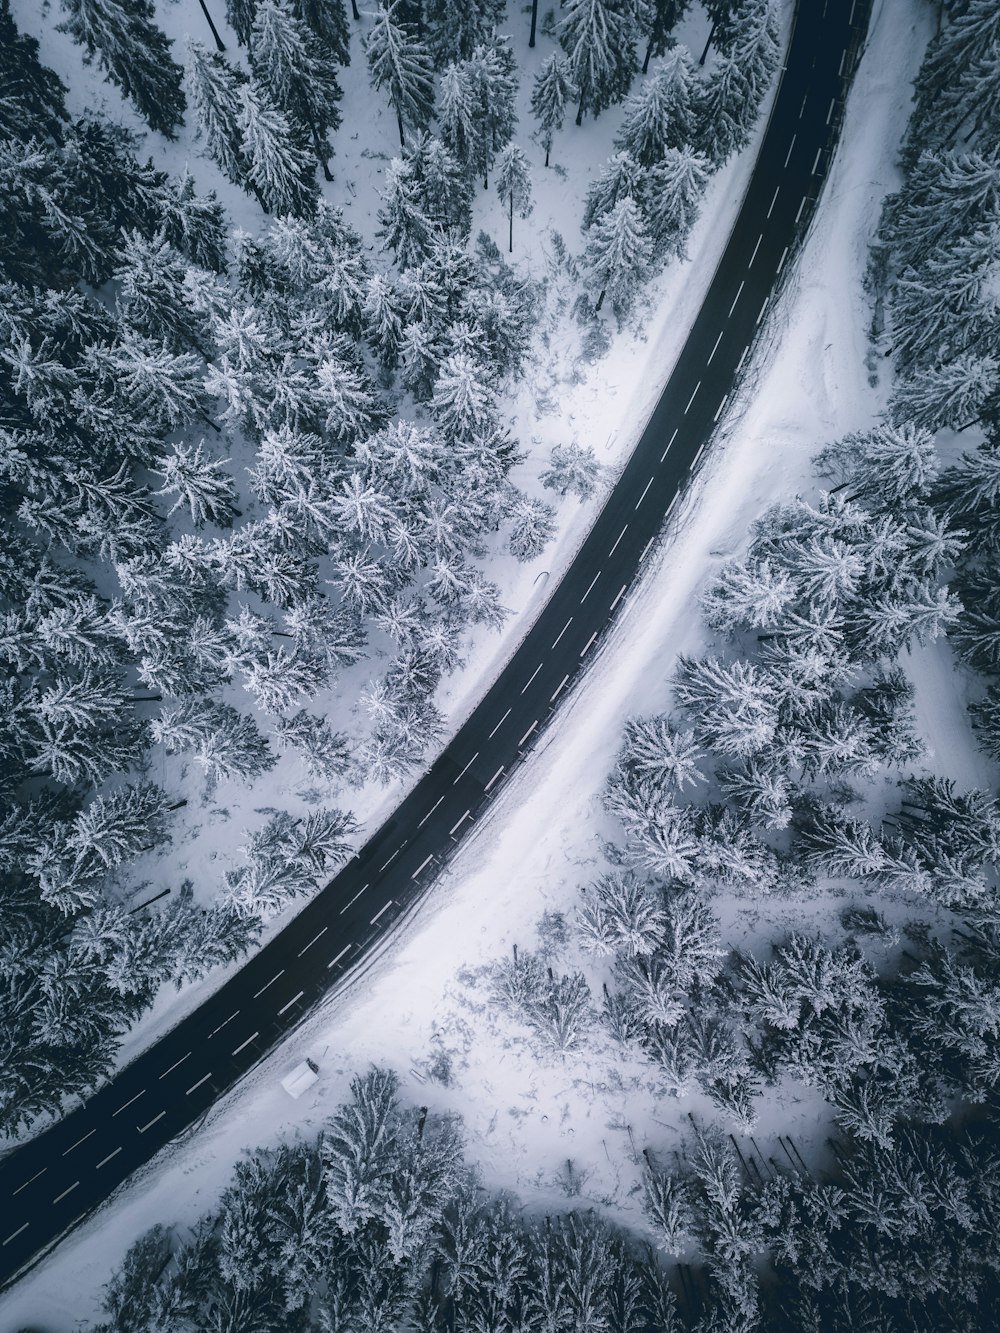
<point x="401" y="64"/>
<point x="494" y="93"/>
<point x="622" y="178"/>
<point x="464" y="402"/>
<point x="326" y="753"/>
<point x="513" y="184"/>
<point x="599" y="39"/>
<point x="443" y="190"/>
<point x="154" y="296"/>
<point x="553" y="89"/>
<point x="240" y="16"/>
<point x="327" y="19"/>
<point x="750" y="38"/>
<point x="359" y="1148"/>
<point x="572" y="468"/>
<point x="225" y="743"/>
<point x="32" y="97"/>
<point x="199" y="482"/>
<point x="214" y="87"/>
<point x="618" y="253"/>
<point x="657" y="20"/>
<point x="659" y="116"/>
<point x="952" y="395"/>
<point x="532" y="527"/>
<point x="404" y="226"/>
<point x="456" y="27"/>
<point x="134" y="53"/>
<point x="297" y="72"/>
<point x="278" y="167"/>
<point x="670" y="196"/>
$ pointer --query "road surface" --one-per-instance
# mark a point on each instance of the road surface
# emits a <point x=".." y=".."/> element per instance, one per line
<point x="55" y="1180"/>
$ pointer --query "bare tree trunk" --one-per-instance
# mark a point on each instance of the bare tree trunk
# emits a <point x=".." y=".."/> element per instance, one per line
<point x="704" y="54"/>
<point x="579" y="112"/>
<point x="548" y="149"/>
<point x="649" y="52"/>
<point x="534" y="21"/>
<point x="354" y="10"/>
<point x="399" y="122"/>
<point x="600" y="300"/>
<point x="510" y="238"/>
<point x="220" y="44"/>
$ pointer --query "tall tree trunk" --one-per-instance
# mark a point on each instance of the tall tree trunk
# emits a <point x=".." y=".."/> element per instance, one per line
<point x="579" y="111"/>
<point x="215" y="32"/>
<point x="704" y="54"/>
<point x="177" y="805"/>
<point x="548" y="149"/>
<point x="354" y="10"/>
<point x="399" y="122"/>
<point x="649" y="52"/>
<point x="534" y="21"/>
<point x="510" y="238"/>
<point x="319" y="147"/>
<point x="600" y="300"/>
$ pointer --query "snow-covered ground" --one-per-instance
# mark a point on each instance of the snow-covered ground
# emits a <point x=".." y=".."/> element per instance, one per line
<point x="527" y="1120"/>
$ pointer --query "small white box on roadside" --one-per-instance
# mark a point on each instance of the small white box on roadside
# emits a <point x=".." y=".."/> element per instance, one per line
<point x="303" y="1076"/>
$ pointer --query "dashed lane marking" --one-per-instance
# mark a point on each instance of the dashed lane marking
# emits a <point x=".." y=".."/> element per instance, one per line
<point x="781" y="261"/>
<point x="645" y="549"/>
<point x="554" y="642"/>
<point x="294" y="1000"/>
<point x="263" y="988"/>
<point x="618" y="539"/>
<point x="194" y="1086"/>
<point x="739" y="289"/>
<point x="14" y="1234"/>
<point x="338" y="957"/>
<point x="691" y="399"/>
<point x="743" y="357"/>
<point x="451" y="831"/>
<point x="714" y="349"/>
<point x="790" y="147"/>
<point x="531" y="678"/>
<point x="132" y="1099"/>
<point x="28" y="1182"/>
<point x="529" y="731"/>
<point x="718" y="410"/>
<point x="620" y="595"/>
<point x="819" y="154"/>
<point x="174" y="1065"/>
<point x="72" y="1187"/>
<point x="150" y="1123"/>
<point x="598" y="574"/>
<point x="833" y="103"/>
<point x="669" y="443"/>
<point x="774" y="198"/>
<point x="316" y="937"/>
<point x="111" y="1155"/>
<point x="83" y="1140"/>
<point x="803" y="106"/>
<point x="503" y="719"/>
<point x="399" y="849"/>
<point x="637" y="504"/>
<point x="380" y="911"/>
<point x="494" y="778"/>
<point x="804" y="201"/>
<point x="422" y="865"/>
<point x="353" y="900"/>
<point x="434" y="806"/>
<point x="467" y="767"/>
<point x="222" y="1025"/>
<point x="586" y="647"/>
<point x="243" y="1045"/>
<point x="559" y="688"/>
<point x="755" y="249"/>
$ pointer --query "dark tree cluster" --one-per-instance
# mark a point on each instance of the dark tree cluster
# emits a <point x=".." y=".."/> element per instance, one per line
<point x="677" y="130"/>
<point x="378" y="1225"/>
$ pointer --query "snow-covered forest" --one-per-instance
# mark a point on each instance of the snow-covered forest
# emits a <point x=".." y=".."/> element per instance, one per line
<point x="256" y="474"/>
<point x="788" y="767"/>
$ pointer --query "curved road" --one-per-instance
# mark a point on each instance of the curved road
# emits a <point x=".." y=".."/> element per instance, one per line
<point x="55" y="1180"/>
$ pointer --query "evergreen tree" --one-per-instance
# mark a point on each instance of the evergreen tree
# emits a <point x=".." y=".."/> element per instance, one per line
<point x="277" y="166"/>
<point x="297" y="73"/>
<point x="622" y="178"/>
<point x="658" y="18"/>
<point x="214" y="87"/>
<point x="404" y="226"/>
<point x="599" y="37"/>
<point x="670" y="196"/>
<point x="618" y="253"/>
<point x="401" y="64"/>
<point x="200" y="483"/>
<point x="327" y="19"/>
<point x="660" y="115"/>
<point x="724" y="112"/>
<point x="456" y="27"/>
<point x="952" y="395"/>
<point x="494" y="93"/>
<point x="553" y="88"/>
<point x="31" y="95"/>
<point x="134" y="53"/>
<point x="513" y="184"/>
<point x="572" y="468"/>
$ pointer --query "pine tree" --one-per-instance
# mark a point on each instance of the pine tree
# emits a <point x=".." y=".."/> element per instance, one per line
<point x="32" y="97"/>
<point x="240" y="17"/>
<point x="296" y="72"/>
<point x="952" y="395"/>
<point x="199" y="482"/>
<point x="724" y="112"/>
<point x="598" y="37"/>
<point x="456" y="27"/>
<point x="572" y="468"/>
<point x="404" y="227"/>
<point x="134" y="53"/>
<point x="750" y="39"/>
<point x="464" y="403"/>
<point x="622" y="178"/>
<point x="154" y="296"/>
<point x="513" y="184"/>
<point x="660" y="115"/>
<point x="443" y="190"/>
<point x="225" y="743"/>
<point x="658" y="18"/>
<point x="670" y="196"/>
<point x="277" y="166"/>
<point x="328" y="21"/>
<point x="553" y="88"/>
<point x="401" y="64"/>
<point x="494" y="93"/>
<point x="214" y="88"/>
<point x="618" y="253"/>
<point x="532" y="527"/>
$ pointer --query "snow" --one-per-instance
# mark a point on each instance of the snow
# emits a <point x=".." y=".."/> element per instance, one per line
<point x="559" y="1130"/>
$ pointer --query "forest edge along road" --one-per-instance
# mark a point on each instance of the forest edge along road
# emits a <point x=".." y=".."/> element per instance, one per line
<point x="56" y="1179"/>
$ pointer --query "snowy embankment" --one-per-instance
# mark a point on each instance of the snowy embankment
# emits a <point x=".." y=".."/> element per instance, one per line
<point x="525" y="1118"/>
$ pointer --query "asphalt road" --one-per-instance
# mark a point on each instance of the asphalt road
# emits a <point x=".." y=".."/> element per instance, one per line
<point x="55" y="1180"/>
